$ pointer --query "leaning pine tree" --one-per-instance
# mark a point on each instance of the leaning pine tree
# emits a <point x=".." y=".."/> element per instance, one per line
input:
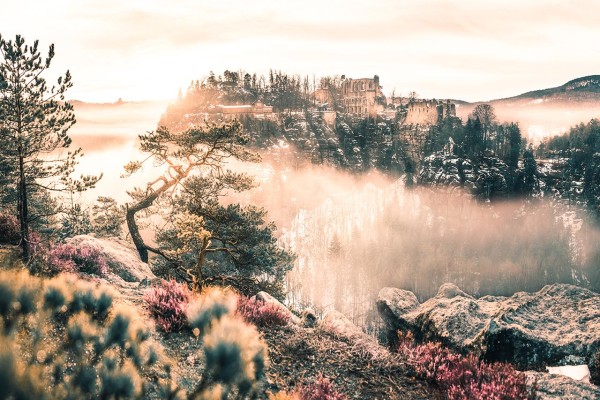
<point x="34" y="120"/>
<point x="197" y="150"/>
<point x="204" y="239"/>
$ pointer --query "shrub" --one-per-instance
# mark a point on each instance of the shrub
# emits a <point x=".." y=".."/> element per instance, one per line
<point x="320" y="389"/>
<point x="95" y="350"/>
<point x="465" y="377"/>
<point x="167" y="304"/>
<point x="10" y="233"/>
<point x="69" y="258"/>
<point x="235" y="355"/>
<point x="261" y="313"/>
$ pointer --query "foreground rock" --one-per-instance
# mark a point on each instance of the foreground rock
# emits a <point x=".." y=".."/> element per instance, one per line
<point x="122" y="258"/>
<point x="553" y="326"/>
<point x="555" y="387"/>
<point x="268" y="299"/>
<point x="337" y="324"/>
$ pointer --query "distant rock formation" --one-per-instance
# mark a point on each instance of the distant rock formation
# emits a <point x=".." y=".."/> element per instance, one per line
<point x="488" y="177"/>
<point x="558" y="325"/>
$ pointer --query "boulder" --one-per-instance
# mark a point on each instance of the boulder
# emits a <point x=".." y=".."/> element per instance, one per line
<point x="577" y="372"/>
<point x="121" y="257"/>
<point x="554" y="326"/>
<point x="309" y="318"/>
<point x="392" y="304"/>
<point x="267" y="298"/>
<point x="338" y="324"/>
<point x="559" y="387"/>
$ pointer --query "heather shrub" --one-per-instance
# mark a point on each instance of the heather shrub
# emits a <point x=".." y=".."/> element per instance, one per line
<point x="69" y="258"/>
<point x="260" y="313"/>
<point x="167" y="303"/>
<point x="320" y="389"/>
<point x="465" y="377"/>
<point x="95" y="350"/>
<point x="10" y="232"/>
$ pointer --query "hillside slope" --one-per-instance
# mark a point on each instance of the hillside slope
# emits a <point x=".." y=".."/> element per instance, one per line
<point x="547" y="112"/>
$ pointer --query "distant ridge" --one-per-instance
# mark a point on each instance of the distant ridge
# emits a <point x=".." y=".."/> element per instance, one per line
<point x="584" y="88"/>
<point x="547" y="112"/>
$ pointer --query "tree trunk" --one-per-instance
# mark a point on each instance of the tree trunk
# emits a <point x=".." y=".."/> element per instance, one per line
<point x="23" y="212"/>
<point x="134" y="231"/>
<point x="199" y="284"/>
<point x="135" y="234"/>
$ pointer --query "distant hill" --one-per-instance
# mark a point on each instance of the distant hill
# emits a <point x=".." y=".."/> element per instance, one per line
<point x="547" y="112"/>
<point x="584" y="88"/>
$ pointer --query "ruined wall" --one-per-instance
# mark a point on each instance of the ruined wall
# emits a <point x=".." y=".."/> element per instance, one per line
<point x="329" y="117"/>
<point x="359" y="96"/>
<point x="323" y="96"/>
<point x="428" y="112"/>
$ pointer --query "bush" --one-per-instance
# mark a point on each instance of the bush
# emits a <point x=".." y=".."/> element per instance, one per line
<point x="235" y="355"/>
<point x="260" y="313"/>
<point x="69" y="258"/>
<point x="465" y="377"/>
<point x="10" y="232"/>
<point x="320" y="389"/>
<point x="167" y="304"/>
<point x="95" y="350"/>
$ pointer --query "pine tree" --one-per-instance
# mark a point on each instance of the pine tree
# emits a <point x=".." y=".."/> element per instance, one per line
<point x="107" y="217"/>
<point x="216" y="242"/>
<point x="34" y="120"/>
<point x="199" y="149"/>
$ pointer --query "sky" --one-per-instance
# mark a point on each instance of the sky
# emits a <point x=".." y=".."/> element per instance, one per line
<point x="468" y="50"/>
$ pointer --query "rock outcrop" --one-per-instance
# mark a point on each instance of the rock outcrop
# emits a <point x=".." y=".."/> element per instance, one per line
<point x="559" y="387"/>
<point x="337" y="324"/>
<point x="121" y="257"/>
<point x="268" y="299"/>
<point x="529" y="330"/>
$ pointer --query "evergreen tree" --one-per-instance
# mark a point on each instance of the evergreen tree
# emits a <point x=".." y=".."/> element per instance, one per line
<point x="530" y="183"/>
<point x="195" y="150"/>
<point x="214" y="241"/>
<point x="34" y="120"/>
<point x="76" y="221"/>
<point x="473" y="136"/>
<point x="514" y="140"/>
<point x="107" y="217"/>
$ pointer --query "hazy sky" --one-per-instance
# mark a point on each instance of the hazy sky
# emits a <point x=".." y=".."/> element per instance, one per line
<point x="472" y="50"/>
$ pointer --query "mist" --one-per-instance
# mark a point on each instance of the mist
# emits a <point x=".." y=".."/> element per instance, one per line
<point x="355" y="234"/>
<point x="108" y="136"/>
<point x="539" y="118"/>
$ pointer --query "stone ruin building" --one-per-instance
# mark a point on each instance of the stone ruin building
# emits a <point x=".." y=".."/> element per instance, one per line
<point x="428" y="112"/>
<point x="362" y="96"/>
